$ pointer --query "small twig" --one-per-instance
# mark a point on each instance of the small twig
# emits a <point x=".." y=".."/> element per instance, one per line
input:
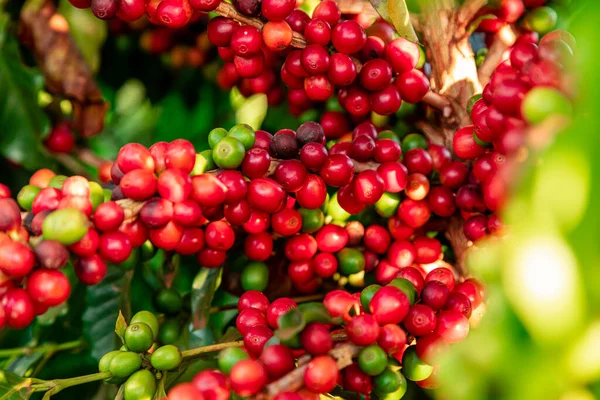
<point x="89" y="157"/>
<point x="431" y="133"/>
<point x="197" y="352"/>
<point x="72" y="164"/>
<point x="227" y="10"/>
<point x="49" y="347"/>
<point x="468" y="11"/>
<point x="459" y="243"/>
<point x="505" y="38"/>
<point x="439" y="102"/>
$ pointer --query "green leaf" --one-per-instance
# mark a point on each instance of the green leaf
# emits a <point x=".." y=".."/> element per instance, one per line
<point x="173" y="119"/>
<point x="314" y="312"/>
<point x="14" y="387"/>
<point x="22" y="122"/>
<point x="88" y="32"/>
<point x="253" y="111"/>
<point x="219" y="320"/>
<point x="396" y="13"/>
<point x="204" y="286"/>
<point x="121" y="326"/>
<point x="290" y="324"/>
<point x="103" y="304"/>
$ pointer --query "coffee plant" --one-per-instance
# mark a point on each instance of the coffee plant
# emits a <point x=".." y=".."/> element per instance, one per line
<point x="295" y="200"/>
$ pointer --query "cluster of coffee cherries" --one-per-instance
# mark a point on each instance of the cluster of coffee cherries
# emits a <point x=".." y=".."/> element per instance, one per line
<point x="393" y="333"/>
<point x="525" y="89"/>
<point x="535" y="16"/>
<point x="140" y="361"/>
<point x="365" y="72"/>
<point x="35" y="246"/>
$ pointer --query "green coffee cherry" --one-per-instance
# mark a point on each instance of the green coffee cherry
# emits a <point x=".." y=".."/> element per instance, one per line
<point x="147" y="318"/>
<point x="407" y="287"/>
<point x="542" y="102"/>
<point x="367" y="294"/>
<point x="57" y="181"/>
<point x="413" y="141"/>
<point x="229" y="357"/>
<point x="215" y="136"/>
<point x="312" y="220"/>
<point x="350" y="261"/>
<point x="26" y="196"/>
<point x="387" y="205"/>
<point x="372" y="360"/>
<point x="204" y="162"/>
<point x="255" y="276"/>
<point x="125" y="363"/>
<point x="166" y="358"/>
<point x="66" y="226"/>
<point x="169" y="301"/>
<point x="413" y="367"/>
<point x="96" y="194"/>
<point x="170" y="330"/>
<point x="388" y="381"/>
<point x="140" y="386"/>
<point x="244" y="133"/>
<point x="139" y="337"/>
<point x="229" y="153"/>
<point x="104" y="364"/>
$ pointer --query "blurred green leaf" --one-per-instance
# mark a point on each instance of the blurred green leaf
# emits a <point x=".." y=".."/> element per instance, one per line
<point x="219" y="320"/>
<point x="22" y="122"/>
<point x="88" y="32"/>
<point x="103" y="304"/>
<point x="129" y="96"/>
<point x="13" y="387"/>
<point x="252" y="111"/>
<point x="204" y="286"/>
<point x="173" y="121"/>
<point x="396" y="13"/>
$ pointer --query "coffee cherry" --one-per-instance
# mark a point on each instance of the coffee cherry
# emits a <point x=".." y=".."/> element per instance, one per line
<point x="277" y="309"/>
<point x="278" y="360"/>
<point x="452" y="326"/>
<point x="169" y="301"/>
<point x="284" y="147"/>
<point x="18" y="308"/>
<point x="90" y="270"/>
<point x="114" y="246"/>
<point x="402" y="55"/>
<point x="186" y="390"/>
<point x="389" y="305"/>
<point x="138" y="337"/>
<point x="372" y="360"/>
<point x="457" y="301"/>
<point x="321" y="374"/>
<point x="16" y="259"/>
<point x="248" y="377"/>
<point x="255" y="276"/>
<point x="256" y="338"/>
<point x="48" y="288"/>
<point x="413" y="367"/>
<point x="327" y="11"/>
<point x="316" y="339"/>
<point x="348" y="37"/>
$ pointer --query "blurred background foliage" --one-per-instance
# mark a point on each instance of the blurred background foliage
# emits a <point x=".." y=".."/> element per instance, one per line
<point x="540" y="338"/>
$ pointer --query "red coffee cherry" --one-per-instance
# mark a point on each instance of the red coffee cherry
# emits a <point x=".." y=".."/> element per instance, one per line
<point x="90" y="270"/>
<point x="48" y="287"/>
<point x="114" y="246"/>
<point x="278" y="360"/>
<point x="108" y="216"/>
<point x="321" y="374"/>
<point x="18" y="308"/>
<point x="277" y="309"/>
<point x="248" y="377"/>
<point x="363" y="330"/>
<point x="316" y="339"/>
<point x="16" y="259"/>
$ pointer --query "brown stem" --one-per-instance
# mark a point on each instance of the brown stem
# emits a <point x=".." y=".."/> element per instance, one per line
<point x="467" y="12"/>
<point x="504" y="38"/>
<point x="459" y="243"/>
<point x="89" y="157"/>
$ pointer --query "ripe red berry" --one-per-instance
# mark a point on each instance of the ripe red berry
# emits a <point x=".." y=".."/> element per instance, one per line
<point x="277" y="35"/>
<point x="108" y="216"/>
<point x="376" y="74"/>
<point x="61" y="138"/>
<point x="258" y="246"/>
<point x="87" y="245"/>
<point x="389" y="305"/>
<point x="248" y="377"/>
<point x="16" y="259"/>
<point x="435" y="295"/>
<point x="48" y="287"/>
<point x="256" y="338"/>
<point x="114" y="246"/>
<point x="402" y="55"/>
<point x="321" y="374"/>
<point x="18" y="308"/>
<point x="391" y="338"/>
<point x="316" y="339"/>
<point x="414" y="213"/>
<point x="420" y="321"/>
<point x="134" y="156"/>
<point x="286" y="222"/>
<point x="208" y="190"/>
<point x="363" y="330"/>
<point x="277" y="309"/>
<point x="139" y="184"/>
<point x="413" y="85"/>
<point x="313" y="193"/>
<point x="348" y="37"/>
<point x="265" y="194"/>
<point x="90" y="270"/>
<point x="368" y="187"/>
<point x="219" y="235"/>
<point x="278" y="360"/>
<point x="452" y="326"/>
<point x="301" y="247"/>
